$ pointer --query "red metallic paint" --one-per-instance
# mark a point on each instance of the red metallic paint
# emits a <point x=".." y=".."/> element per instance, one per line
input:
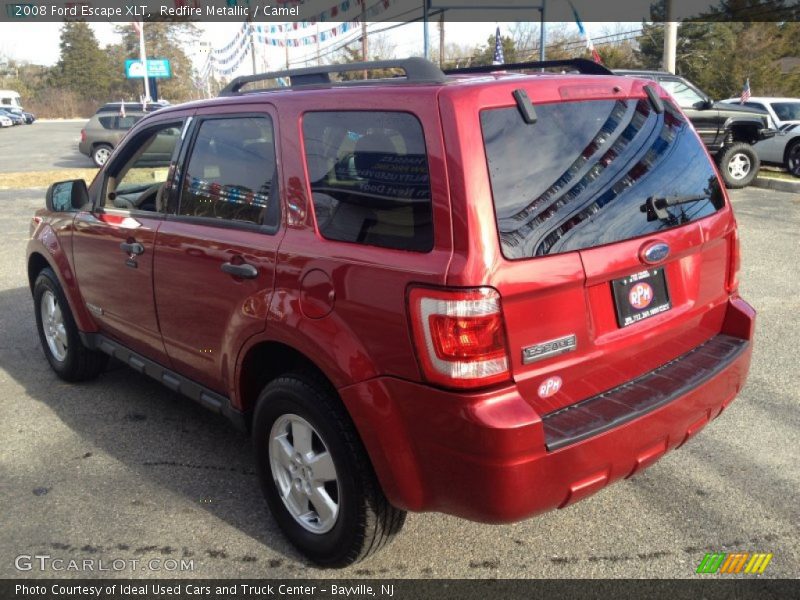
<point x="203" y="338"/>
<point x="475" y="454"/>
<point x="52" y="241"/>
<point x="127" y="304"/>
<point x="481" y="456"/>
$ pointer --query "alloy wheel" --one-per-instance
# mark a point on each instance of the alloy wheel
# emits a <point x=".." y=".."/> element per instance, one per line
<point x="304" y="473"/>
<point x="53" y="326"/>
<point x="739" y="166"/>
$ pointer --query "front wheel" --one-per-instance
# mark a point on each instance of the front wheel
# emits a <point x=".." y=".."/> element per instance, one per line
<point x="793" y="159"/>
<point x="315" y="474"/>
<point x="59" y="335"/>
<point x="739" y="165"/>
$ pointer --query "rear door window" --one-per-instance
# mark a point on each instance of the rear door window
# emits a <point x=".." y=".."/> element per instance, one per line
<point x="369" y="178"/>
<point x="584" y="173"/>
<point x="232" y="173"/>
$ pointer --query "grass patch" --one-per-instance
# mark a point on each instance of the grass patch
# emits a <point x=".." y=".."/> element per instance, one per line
<point x="38" y="179"/>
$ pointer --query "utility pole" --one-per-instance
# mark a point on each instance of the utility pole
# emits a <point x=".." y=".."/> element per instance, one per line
<point x="252" y="40"/>
<point x="139" y="27"/>
<point x="364" y="44"/>
<point x="670" y="37"/>
<point x="441" y="40"/>
<point x="542" y="32"/>
<point x="319" y="58"/>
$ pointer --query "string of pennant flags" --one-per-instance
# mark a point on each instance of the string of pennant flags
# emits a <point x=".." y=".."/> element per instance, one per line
<point x="227" y="59"/>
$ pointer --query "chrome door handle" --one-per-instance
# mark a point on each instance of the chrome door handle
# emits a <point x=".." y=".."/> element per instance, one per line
<point x="244" y="270"/>
<point x="132" y="248"/>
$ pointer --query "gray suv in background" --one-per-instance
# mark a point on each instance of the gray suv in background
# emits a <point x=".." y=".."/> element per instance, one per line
<point x="108" y="126"/>
<point x="103" y="132"/>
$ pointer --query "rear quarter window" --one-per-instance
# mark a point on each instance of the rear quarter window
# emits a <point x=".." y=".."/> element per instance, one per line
<point x="369" y="178"/>
<point x="582" y="174"/>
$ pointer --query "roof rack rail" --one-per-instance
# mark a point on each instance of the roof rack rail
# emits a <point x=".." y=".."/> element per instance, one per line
<point x="417" y="70"/>
<point x="583" y="65"/>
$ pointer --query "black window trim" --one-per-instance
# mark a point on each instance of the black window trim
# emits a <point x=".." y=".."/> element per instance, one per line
<point x="183" y="160"/>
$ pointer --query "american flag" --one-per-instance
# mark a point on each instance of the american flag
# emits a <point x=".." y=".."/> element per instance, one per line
<point x="745" y="92"/>
<point x="498" y="49"/>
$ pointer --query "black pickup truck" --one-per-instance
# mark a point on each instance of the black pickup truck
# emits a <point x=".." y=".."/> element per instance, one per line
<point x="728" y="130"/>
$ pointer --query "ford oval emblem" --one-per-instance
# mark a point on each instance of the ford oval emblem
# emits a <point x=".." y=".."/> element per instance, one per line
<point x="655" y="252"/>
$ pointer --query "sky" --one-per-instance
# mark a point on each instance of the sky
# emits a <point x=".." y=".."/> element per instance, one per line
<point x="38" y="43"/>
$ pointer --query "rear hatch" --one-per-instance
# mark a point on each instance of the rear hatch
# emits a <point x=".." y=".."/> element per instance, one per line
<point x="616" y="239"/>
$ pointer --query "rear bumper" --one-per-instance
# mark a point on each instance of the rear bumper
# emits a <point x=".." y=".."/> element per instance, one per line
<point x="484" y="456"/>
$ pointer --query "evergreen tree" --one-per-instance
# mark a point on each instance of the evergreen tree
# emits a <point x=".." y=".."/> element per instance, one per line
<point x="83" y="67"/>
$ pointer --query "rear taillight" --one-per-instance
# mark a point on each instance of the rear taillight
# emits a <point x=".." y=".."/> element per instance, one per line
<point x="459" y="336"/>
<point x="734" y="261"/>
<point x="83" y="135"/>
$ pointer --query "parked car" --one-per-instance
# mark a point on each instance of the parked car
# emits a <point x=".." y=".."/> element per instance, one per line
<point x="5" y="121"/>
<point x="15" y="118"/>
<point x="728" y="131"/>
<point x="103" y="132"/>
<point x="784" y="148"/>
<point x="27" y="117"/>
<point x="485" y="296"/>
<point x="784" y="112"/>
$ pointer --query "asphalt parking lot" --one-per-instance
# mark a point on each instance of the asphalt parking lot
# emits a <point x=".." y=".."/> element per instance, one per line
<point x="42" y="146"/>
<point x="122" y="468"/>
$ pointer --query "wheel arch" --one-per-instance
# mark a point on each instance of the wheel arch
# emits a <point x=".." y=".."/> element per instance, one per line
<point x="51" y="256"/>
<point x="36" y="264"/>
<point x="742" y="130"/>
<point x="265" y="360"/>
<point x="789" y="145"/>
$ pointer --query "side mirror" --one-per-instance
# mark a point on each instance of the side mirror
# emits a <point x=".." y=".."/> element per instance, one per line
<point x="708" y="103"/>
<point x="66" y="196"/>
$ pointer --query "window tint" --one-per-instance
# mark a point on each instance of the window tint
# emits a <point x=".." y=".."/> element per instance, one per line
<point x="581" y="176"/>
<point x="108" y="122"/>
<point x="369" y="178"/>
<point x="127" y="122"/>
<point x="231" y="172"/>
<point x="140" y="182"/>
<point x="787" y="111"/>
<point x="685" y="96"/>
<point x="118" y="122"/>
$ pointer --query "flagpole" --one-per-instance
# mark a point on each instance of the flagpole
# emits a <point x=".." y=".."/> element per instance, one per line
<point x="143" y="58"/>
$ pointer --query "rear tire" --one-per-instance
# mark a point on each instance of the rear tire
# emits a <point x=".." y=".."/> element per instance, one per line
<point x="315" y="474"/>
<point x="793" y="159"/>
<point x="739" y="164"/>
<point x="100" y="154"/>
<point x="58" y="333"/>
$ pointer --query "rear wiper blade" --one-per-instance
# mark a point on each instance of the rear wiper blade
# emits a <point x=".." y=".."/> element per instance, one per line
<point x="656" y="208"/>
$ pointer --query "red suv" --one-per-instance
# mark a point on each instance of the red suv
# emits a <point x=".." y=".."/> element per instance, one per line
<point x="486" y="294"/>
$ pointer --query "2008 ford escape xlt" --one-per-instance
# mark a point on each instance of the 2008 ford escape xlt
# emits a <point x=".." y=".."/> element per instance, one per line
<point x="482" y="293"/>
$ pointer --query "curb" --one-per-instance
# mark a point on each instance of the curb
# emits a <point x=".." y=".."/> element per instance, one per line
<point x="779" y="185"/>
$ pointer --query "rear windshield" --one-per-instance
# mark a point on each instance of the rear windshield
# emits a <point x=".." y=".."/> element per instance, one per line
<point x="581" y="176"/>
